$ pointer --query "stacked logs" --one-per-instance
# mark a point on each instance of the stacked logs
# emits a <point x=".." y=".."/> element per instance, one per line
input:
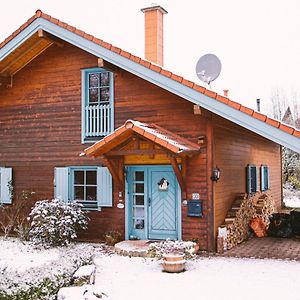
<point x="264" y="206"/>
<point x="245" y="208"/>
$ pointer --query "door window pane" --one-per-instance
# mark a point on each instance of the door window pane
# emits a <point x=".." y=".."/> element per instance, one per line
<point x="139" y="188"/>
<point x="139" y="199"/>
<point x="138" y="212"/>
<point x="138" y="224"/>
<point x="139" y="176"/>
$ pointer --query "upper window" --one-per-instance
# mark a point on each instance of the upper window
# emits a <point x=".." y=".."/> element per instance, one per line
<point x="97" y="104"/>
<point x="264" y="178"/>
<point x="252" y="180"/>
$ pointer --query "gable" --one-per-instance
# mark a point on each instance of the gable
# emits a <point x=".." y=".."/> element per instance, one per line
<point x="271" y="129"/>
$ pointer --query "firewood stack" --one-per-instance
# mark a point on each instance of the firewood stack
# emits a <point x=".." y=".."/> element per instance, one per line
<point x="242" y="211"/>
<point x="264" y="206"/>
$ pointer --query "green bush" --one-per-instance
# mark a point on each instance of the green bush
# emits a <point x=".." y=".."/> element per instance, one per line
<point x="293" y="180"/>
<point x="112" y="237"/>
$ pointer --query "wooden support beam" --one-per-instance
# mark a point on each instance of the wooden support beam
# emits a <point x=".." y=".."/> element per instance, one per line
<point x="114" y="173"/>
<point x="197" y="110"/>
<point x="105" y="65"/>
<point x="121" y="168"/>
<point x="136" y="152"/>
<point x="100" y="63"/>
<point x="20" y="56"/>
<point x="152" y="148"/>
<point x="6" y="81"/>
<point x="178" y="174"/>
<point x="50" y="37"/>
<point x="136" y="143"/>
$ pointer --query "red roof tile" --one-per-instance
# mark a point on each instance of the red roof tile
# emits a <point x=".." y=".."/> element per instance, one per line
<point x="39" y="14"/>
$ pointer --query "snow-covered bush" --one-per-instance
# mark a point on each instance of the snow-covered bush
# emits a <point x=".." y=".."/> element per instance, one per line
<point x="166" y="247"/>
<point x="38" y="274"/>
<point x="55" y="223"/>
<point x="291" y="196"/>
<point x="291" y="166"/>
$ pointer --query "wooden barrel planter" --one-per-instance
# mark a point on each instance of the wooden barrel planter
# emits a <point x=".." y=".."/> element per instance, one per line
<point x="173" y="263"/>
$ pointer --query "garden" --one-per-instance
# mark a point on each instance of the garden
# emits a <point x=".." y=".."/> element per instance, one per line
<point x="41" y="258"/>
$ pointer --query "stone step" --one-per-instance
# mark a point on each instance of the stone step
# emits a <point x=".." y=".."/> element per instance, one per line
<point x="85" y="292"/>
<point x="137" y="248"/>
<point x="85" y="275"/>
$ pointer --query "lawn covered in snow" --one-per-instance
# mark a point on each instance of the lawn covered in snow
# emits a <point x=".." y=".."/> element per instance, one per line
<point x="213" y="278"/>
<point x="207" y="278"/>
<point x="25" y="269"/>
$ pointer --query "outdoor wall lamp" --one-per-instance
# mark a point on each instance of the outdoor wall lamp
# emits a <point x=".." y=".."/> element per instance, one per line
<point x="215" y="174"/>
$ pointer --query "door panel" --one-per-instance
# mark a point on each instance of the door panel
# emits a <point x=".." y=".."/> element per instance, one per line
<point x="163" y="206"/>
<point x="152" y="211"/>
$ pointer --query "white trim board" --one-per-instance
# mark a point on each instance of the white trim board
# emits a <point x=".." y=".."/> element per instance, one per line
<point x="158" y="79"/>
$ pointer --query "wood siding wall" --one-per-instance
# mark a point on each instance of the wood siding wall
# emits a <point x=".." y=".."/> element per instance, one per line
<point x="234" y="149"/>
<point x="40" y="128"/>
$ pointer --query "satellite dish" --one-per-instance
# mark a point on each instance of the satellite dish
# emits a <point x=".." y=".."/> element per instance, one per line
<point x="208" y="68"/>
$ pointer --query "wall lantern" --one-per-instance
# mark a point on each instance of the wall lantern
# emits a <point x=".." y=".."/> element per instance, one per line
<point x="215" y="174"/>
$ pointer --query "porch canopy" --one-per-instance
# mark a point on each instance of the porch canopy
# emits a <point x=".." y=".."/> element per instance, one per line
<point x="136" y="139"/>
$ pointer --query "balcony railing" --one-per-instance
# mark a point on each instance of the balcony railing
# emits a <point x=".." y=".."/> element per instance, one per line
<point x="97" y="120"/>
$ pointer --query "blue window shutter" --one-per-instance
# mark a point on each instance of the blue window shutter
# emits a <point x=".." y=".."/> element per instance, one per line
<point x="248" y="179"/>
<point x="265" y="178"/>
<point x="6" y="177"/>
<point x="104" y="187"/>
<point x="61" y="183"/>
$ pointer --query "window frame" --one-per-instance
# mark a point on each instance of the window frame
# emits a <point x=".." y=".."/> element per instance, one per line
<point x="264" y="187"/>
<point x="72" y="182"/>
<point x="85" y="100"/>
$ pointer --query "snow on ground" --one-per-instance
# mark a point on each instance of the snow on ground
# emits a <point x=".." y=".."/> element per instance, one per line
<point x="291" y="197"/>
<point x="15" y="255"/>
<point x="25" y="270"/>
<point x="206" y="278"/>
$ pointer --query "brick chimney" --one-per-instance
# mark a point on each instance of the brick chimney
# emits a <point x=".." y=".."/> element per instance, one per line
<point x="154" y="25"/>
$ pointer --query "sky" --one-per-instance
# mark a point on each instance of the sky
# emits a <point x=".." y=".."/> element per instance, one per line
<point x="257" y="41"/>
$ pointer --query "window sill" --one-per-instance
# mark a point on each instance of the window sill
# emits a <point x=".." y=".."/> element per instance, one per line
<point x="89" y="206"/>
<point x="92" y="140"/>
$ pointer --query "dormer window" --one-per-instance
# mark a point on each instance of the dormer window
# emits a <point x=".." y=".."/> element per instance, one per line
<point x="97" y="104"/>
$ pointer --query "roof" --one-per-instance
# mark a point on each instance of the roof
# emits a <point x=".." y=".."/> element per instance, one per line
<point x="158" y="135"/>
<point x="259" y="123"/>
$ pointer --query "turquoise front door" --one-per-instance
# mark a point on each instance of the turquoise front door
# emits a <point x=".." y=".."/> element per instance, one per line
<point x="152" y="203"/>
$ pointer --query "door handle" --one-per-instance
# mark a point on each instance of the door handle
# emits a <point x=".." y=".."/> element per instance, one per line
<point x="149" y="201"/>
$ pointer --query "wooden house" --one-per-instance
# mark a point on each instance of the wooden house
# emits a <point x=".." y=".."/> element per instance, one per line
<point x="148" y="153"/>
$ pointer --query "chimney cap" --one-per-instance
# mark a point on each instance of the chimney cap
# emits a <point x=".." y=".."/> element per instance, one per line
<point x="154" y="6"/>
